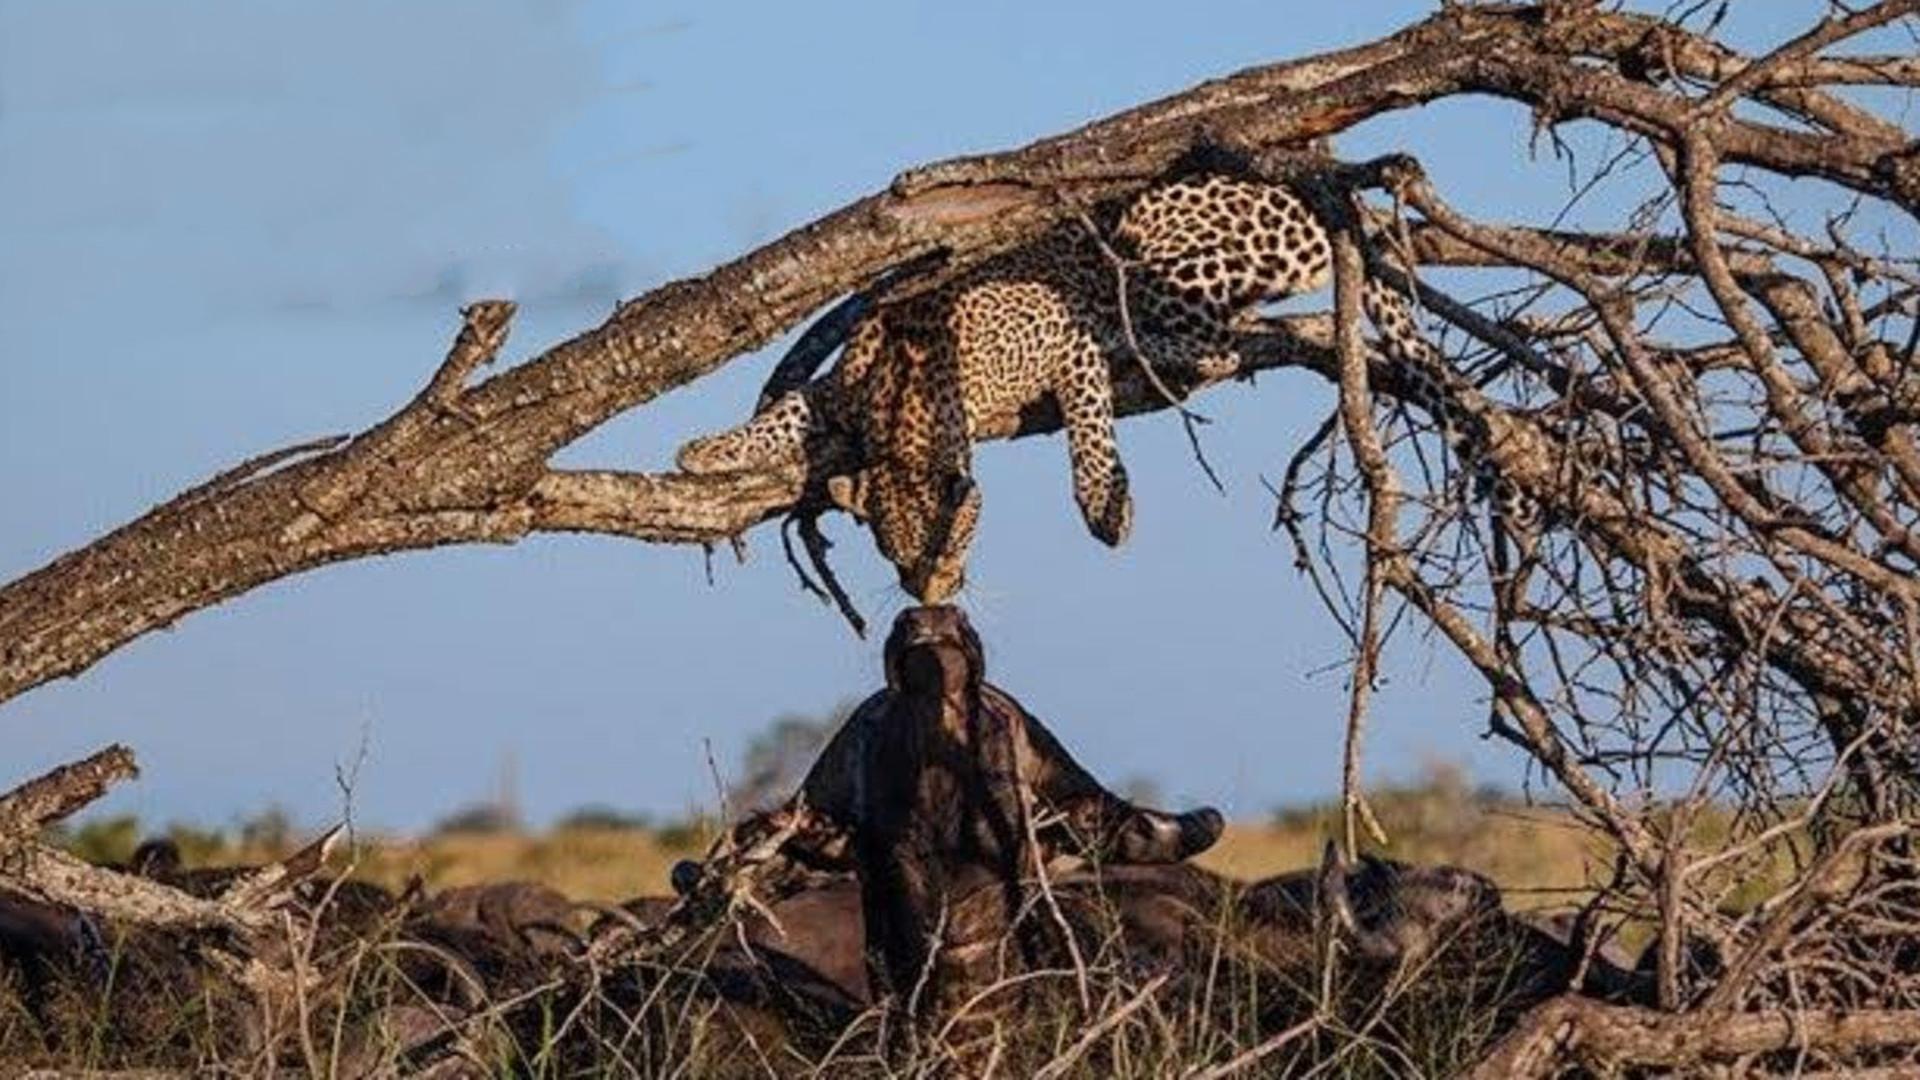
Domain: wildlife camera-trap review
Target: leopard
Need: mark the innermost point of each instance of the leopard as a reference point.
(1048, 324)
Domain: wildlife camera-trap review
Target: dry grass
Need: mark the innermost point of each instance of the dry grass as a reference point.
(586, 864)
(662, 1025)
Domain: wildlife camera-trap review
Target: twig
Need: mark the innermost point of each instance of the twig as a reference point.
(1249, 1058)
(1787, 907)
(1383, 494)
(1059, 1065)
(483, 330)
(1039, 869)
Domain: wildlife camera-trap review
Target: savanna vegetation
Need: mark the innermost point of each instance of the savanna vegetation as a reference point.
(1647, 466)
(1538, 854)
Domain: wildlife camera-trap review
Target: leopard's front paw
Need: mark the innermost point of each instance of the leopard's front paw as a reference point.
(1109, 513)
(722, 453)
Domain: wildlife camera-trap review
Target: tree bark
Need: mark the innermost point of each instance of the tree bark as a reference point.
(1612, 1037)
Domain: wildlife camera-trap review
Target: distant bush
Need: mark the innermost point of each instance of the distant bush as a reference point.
(269, 830)
(101, 840)
(480, 818)
(1441, 808)
(687, 834)
(599, 816)
(777, 759)
(198, 847)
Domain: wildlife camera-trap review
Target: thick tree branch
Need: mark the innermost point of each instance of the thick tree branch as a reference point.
(31, 868)
(1609, 1037)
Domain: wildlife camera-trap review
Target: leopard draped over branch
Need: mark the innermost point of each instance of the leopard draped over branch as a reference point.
(922, 377)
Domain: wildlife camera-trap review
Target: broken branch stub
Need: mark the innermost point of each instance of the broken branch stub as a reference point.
(29, 809)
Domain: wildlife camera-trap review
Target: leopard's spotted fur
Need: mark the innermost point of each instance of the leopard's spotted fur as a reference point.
(922, 378)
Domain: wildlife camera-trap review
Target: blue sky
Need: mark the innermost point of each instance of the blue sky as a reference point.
(230, 226)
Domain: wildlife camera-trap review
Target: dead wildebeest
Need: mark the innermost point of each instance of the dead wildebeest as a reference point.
(121, 991)
(935, 792)
(532, 918)
(478, 943)
(1383, 912)
(451, 954)
(446, 956)
(1074, 814)
(803, 954)
(1389, 919)
(1076, 819)
(1443, 923)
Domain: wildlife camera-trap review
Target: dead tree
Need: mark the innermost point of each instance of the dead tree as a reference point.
(1664, 500)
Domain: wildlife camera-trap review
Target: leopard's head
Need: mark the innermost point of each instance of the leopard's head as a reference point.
(925, 530)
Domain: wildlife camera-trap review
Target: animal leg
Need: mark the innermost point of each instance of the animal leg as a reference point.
(776, 436)
(1085, 394)
(1391, 313)
(973, 943)
(1105, 826)
(900, 903)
